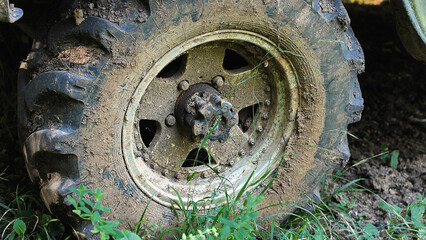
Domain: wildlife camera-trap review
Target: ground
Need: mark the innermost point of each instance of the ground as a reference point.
(394, 91)
(393, 86)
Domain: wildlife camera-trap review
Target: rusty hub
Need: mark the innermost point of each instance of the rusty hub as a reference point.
(202, 110)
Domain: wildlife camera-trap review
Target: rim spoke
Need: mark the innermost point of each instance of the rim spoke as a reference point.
(159, 100)
(171, 149)
(204, 62)
(229, 150)
(248, 90)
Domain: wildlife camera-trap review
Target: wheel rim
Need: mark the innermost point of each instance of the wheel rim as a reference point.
(250, 73)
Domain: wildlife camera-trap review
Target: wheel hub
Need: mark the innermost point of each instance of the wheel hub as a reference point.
(203, 111)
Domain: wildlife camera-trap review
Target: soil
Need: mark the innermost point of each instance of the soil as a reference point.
(394, 91)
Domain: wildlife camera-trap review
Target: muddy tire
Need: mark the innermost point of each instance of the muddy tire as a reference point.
(105, 100)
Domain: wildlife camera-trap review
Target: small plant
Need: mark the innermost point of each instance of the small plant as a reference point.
(21, 221)
(391, 158)
(91, 211)
(406, 224)
(235, 219)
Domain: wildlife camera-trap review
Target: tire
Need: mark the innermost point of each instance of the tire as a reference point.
(102, 101)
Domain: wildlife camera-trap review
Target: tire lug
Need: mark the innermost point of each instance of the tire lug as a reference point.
(183, 85)
(259, 128)
(218, 81)
(170, 120)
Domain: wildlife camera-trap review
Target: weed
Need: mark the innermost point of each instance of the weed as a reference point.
(91, 211)
(391, 158)
(237, 219)
(21, 221)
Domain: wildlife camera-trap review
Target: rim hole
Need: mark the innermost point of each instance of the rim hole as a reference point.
(148, 129)
(234, 61)
(247, 116)
(203, 158)
(176, 67)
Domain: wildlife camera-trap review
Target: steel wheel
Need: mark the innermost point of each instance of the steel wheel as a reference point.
(236, 76)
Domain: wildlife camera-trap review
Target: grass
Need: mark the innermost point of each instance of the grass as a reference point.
(238, 218)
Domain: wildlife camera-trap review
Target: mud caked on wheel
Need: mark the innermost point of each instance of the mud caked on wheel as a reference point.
(137, 97)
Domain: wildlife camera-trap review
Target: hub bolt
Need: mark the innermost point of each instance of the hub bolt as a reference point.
(218, 81)
(183, 85)
(170, 120)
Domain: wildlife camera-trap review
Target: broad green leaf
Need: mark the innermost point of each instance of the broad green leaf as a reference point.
(394, 159)
(370, 231)
(19, 226)
(129, 235)
(72, 201)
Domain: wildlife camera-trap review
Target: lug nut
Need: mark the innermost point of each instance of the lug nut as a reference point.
(205, 174)
(242, 153)
(231, 162)
(265, 76)
(268, 89)
(265, 116)
(145, 157)
(251, 141)
(170, 120)
(267, 102)
(177, 176)
(259, 129)
(165, 172)
(138, 154)
(183, 85)
(218, 81)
